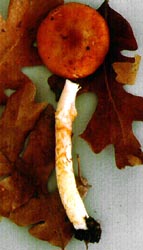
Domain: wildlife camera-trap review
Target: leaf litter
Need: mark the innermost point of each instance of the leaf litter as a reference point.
(17, 37)
(25, 168)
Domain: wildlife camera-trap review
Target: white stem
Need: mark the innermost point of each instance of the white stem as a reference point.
(65, 115)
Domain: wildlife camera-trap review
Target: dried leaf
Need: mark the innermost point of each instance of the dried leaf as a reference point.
(28, 174)
(127, 71)
(18, 119)
(17, 36)
(32, 212)
(24, 197)
(116, 110)
(26, 186)
(38, 159)
(49, 217)
(5, 166)
(15, 190)
(112, 121)
(56, 229)
(121, 34)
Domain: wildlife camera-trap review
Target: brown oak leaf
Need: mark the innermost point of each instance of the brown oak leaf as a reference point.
(38, 159)
(56, 229)
(112, 121)
(15, 191)
(116, 110)
(5, 165)
(18, 118)
(29, 173)
(48, 218)
(24, 197)
(17, 37)
(27, 170)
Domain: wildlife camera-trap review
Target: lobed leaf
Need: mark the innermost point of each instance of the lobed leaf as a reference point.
(18, 118)
(5, 165)
(24, 197)
(116, 110)
(28, 174)
(17, 36)
(15, 190)
(56, 229)
(38, 159)
(48, 219)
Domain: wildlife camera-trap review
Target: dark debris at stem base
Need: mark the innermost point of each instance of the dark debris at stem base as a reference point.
(92, 234)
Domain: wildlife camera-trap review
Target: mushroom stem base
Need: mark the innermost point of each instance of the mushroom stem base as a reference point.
(92, 234)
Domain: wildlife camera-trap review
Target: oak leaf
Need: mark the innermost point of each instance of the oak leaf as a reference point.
(18, 118)
(15, 191)
(17, 37)
(56, 229)
(27, 170)
(5, 165)
(47, 218)
(116, 110)
(24, 197)
(28, 174)
(38, 159)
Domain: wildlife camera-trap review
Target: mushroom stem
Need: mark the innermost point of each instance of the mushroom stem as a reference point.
(70, 197)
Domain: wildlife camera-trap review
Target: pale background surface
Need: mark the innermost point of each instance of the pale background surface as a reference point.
(116, 197)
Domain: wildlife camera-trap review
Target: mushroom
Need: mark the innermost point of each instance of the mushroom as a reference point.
(73, 41)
